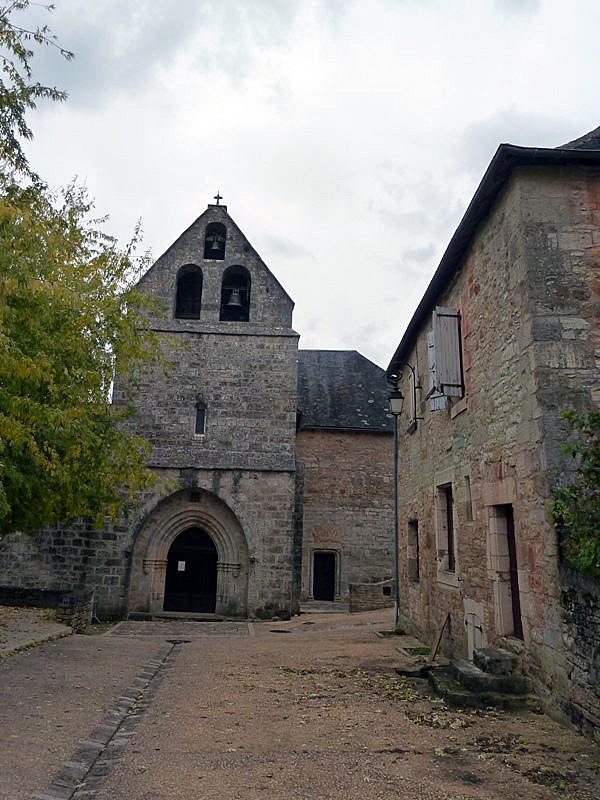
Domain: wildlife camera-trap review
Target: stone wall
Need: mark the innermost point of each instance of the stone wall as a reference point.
(580, 696)
(371, 596)
(270, 306)
(347, 504)
(73, 607)
(248, 385)
(101, 559)
(527, 295)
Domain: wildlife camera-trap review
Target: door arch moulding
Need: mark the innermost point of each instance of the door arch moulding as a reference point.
(175, 514)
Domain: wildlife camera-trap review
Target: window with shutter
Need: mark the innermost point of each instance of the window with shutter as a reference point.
(447, 350)
(437, 400)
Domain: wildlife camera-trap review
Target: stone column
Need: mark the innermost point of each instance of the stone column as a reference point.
(156, 570)
(229, 589)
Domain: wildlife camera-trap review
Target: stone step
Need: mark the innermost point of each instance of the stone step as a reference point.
(475, 679)
(495, 660)
(454, 693)
(184, 616)
(323, 607)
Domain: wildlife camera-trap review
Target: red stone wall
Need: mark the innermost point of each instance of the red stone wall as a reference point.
(528, 295)
(347, 505)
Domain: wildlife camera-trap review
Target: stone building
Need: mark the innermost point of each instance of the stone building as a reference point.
(505, 338)
(344, 457)
(222, 529)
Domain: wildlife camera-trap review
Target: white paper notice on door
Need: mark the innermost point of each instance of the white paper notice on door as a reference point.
(181, 566)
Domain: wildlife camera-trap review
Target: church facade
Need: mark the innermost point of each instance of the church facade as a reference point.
(225, 528)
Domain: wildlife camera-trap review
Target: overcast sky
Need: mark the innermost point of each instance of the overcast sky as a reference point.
(346, 136)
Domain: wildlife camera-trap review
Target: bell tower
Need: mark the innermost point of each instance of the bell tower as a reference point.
(221, 417)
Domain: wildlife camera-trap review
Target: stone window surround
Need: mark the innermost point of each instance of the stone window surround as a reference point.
(413, 550)
(199, 435)
(445, 577)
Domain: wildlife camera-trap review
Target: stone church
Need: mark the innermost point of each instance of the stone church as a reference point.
(273, 465)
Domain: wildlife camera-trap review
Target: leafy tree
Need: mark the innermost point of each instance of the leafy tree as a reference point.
(69, 317)
(18, 91)
(576, 507)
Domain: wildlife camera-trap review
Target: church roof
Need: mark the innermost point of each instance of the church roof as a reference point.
(341, 390)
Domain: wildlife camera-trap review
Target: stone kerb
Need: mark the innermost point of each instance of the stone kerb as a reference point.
(174, 515)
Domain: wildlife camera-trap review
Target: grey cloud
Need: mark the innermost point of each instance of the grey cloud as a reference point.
(519, 6)
(480, 140)
(120, 46)
(279, 246)
(413, 199)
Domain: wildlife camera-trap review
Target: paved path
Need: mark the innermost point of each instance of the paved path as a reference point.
(270, 710)
(22, 628)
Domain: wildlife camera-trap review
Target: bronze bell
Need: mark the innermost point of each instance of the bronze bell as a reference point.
(235, 301)
(215, 245)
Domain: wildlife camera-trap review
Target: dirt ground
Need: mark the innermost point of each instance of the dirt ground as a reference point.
(319, 712)
(310, 708)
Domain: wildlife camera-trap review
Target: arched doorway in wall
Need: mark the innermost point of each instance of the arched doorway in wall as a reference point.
(196, 527)
(191, 576)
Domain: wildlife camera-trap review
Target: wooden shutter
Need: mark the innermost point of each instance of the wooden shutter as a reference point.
(437, 400)
(446, 343)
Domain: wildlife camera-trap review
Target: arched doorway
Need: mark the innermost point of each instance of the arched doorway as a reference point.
(196, 527)
(191, 579)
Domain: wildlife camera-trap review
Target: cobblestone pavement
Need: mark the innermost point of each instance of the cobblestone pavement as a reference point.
(316, 713)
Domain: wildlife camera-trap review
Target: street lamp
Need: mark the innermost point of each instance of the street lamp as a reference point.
(396, 403)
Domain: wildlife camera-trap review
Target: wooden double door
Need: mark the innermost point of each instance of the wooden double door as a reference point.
(191, 581)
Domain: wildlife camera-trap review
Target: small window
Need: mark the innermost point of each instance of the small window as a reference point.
(413, 550)
(445, 528)
(200, 426)
(235, 295)
(215, 239)
(189, 292)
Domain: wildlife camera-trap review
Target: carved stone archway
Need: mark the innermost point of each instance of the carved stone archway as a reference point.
(172, 516)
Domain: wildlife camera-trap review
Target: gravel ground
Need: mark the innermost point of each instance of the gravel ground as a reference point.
(310, 708)
(319, 713)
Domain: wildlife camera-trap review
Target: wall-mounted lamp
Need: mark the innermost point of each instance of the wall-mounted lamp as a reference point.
(396, 402)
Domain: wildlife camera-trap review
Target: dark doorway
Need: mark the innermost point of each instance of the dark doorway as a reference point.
(514, 574)
(191, 583)
(324, 576)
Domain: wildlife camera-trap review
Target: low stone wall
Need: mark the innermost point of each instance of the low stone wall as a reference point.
(371, 596)
(73, 607)
(580, 598)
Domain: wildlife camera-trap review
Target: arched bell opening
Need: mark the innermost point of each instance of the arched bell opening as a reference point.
(235, 295)
(215, 239)
(188, 299)
(191, 575)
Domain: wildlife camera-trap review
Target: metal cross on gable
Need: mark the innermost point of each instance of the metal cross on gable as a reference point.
(217, 197)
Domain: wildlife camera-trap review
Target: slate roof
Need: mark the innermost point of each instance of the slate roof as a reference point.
(589, 141)
(342, 390)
